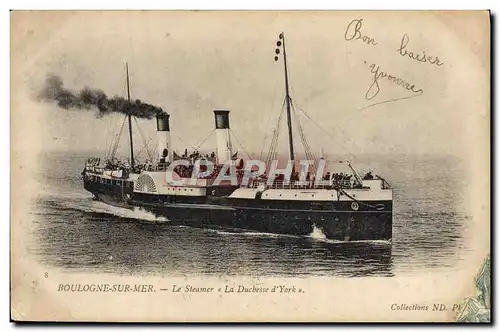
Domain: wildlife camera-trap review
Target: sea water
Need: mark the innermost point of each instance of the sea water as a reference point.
(76, 233)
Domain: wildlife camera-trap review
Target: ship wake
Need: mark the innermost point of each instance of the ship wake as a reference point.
(84, 204)
(136, 213)
(317, 234)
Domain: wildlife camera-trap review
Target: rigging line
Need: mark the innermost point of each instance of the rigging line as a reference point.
(117, 143)
(185, 142)
(114, 144)
(328, 133)
(307, 148)
(277, 130)
(274, 140)
(274, 132)
(297, 122)
(311, 155)
(241, 145)
(274, 152)
(270, 153)
(199, 145)
(305, 144)
(115, 134)
(141, 134)
(112, 138)
(145, 147)
(315, 123)
(310, 119)
(269, 118)
(336, 125)
(303, 136)
(272, 148)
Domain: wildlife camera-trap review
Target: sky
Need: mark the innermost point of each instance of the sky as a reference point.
(190, 63)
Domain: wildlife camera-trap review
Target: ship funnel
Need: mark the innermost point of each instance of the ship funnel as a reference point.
(222, 133)
(163, 134)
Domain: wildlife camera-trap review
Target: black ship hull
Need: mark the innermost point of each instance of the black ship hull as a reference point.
(334, 220)
(336, 225)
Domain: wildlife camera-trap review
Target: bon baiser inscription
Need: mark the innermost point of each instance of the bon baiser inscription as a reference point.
(354, 32)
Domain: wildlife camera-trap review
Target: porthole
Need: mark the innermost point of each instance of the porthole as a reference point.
(355, 206)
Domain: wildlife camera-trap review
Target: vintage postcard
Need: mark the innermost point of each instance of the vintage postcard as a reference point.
(250, 166)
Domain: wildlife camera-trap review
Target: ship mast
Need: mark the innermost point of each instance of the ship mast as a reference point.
(130, 123)
(287, 96)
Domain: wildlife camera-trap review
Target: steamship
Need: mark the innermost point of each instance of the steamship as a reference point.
(344, 207)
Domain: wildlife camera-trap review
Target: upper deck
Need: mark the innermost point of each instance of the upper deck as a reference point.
(374, 184)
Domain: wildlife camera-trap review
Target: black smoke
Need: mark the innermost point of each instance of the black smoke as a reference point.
(89, 98)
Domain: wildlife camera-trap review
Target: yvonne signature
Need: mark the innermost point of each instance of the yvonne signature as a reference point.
(374, 87)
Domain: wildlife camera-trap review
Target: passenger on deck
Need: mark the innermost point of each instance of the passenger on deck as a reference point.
(368, 176)
(351, 181)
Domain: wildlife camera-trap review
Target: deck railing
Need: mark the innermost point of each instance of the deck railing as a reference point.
(300, 185)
